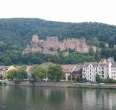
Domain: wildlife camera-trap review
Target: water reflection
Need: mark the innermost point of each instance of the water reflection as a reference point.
(35, 98)
(99, 99)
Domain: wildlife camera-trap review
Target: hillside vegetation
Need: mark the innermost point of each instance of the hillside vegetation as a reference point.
(17, 32)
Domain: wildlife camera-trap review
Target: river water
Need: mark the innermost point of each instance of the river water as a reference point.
(43, 98)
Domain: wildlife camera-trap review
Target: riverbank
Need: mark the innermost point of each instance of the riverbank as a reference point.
(62, 84)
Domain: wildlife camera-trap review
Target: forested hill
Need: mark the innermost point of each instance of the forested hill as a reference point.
(16, 33)
(21, 30)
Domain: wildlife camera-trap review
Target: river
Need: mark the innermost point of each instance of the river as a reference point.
(43, 98)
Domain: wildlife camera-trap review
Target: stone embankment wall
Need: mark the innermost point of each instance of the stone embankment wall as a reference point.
(62, 84)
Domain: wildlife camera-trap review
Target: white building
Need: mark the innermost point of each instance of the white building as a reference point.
(104, 70)
(90, 71)
(112, 69)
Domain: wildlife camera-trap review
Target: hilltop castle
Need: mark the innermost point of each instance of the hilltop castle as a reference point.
(52, 44)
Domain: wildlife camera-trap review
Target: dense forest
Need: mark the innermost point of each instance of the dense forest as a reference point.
(15, 33)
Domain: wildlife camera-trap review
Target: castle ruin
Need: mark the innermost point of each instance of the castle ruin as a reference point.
(52, 44)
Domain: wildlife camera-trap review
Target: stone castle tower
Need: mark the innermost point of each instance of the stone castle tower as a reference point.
(35, 39)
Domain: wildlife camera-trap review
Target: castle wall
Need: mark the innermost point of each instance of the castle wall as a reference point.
(53, 44)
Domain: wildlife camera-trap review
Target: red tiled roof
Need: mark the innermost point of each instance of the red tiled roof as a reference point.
(68, 68)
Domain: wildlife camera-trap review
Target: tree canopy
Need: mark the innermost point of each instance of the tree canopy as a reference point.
(50, 71)
(17, 74)
(15, 33)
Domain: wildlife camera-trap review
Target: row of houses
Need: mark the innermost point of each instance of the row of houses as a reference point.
(87, 71)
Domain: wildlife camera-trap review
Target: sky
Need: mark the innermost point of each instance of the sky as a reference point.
(61, 10)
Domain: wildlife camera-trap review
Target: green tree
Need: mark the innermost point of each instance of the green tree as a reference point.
(39, 72)
(17, 74)
(98, 78)
(54, 72)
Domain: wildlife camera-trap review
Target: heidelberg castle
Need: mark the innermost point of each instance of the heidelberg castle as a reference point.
(52, 44)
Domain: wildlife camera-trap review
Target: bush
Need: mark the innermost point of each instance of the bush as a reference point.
(17, 74)
(54, 72)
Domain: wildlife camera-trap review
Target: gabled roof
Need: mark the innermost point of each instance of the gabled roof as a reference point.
(79, 67)
(68, 68)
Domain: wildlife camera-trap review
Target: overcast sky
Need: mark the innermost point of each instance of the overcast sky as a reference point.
(61, 10)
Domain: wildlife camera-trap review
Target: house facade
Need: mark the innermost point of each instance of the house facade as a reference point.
(3, 70)
(71, 72)
(91, 70)
(104, 70)
(112, 69)
(113, 72)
